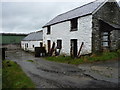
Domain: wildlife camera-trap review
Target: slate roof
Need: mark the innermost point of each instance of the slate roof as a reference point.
(77, 12)
(35, 36)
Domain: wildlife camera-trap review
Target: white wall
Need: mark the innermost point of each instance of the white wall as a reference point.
(30, 45)
(62, 31)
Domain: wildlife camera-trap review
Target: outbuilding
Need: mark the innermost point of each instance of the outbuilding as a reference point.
(31, 41)
(95, 27)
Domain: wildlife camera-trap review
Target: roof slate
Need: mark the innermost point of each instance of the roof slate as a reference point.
(77, 12)
(36, 36)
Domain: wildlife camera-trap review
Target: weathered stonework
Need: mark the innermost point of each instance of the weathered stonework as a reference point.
(110, 13)
(96, 37)
(115, 40)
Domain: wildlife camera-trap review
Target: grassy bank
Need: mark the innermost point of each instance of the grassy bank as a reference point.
(0, 78)
(14, 77)
(85, 59)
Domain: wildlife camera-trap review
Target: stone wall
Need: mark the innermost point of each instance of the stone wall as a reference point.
(109, 12)
(115, 40)
(96, 37)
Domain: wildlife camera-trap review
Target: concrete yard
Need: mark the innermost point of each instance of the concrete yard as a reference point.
(46, 74)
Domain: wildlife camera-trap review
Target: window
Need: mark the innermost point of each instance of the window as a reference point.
(105, 44)
(74, 24)
(48, 30)
(41, 44)
(33, 46)
(59, 44)
(105, 39)
(27, 45)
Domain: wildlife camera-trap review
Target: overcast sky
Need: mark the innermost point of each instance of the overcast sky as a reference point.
(26, 17)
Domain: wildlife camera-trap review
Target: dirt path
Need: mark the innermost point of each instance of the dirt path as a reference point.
(106, 70)
(48, 74)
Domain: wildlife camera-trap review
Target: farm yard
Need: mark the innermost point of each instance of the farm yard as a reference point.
(47, 74)
(76, 49)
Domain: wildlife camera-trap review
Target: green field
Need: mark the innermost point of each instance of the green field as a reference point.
(14, 77)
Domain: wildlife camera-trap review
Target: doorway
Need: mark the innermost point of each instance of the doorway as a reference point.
(73, 50)
(41, 44)
(49, 45)
(105, 31)
(26, 46)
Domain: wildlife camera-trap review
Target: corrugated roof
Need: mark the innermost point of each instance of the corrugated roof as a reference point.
(77, 12)
(35, 36)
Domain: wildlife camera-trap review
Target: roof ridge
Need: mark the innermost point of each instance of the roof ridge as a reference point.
(91, 7)
(100, 4)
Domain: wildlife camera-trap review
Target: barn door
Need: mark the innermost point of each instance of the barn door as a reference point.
(25, 46)
(73, 50)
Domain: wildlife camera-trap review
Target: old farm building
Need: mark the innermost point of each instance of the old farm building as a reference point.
(96, 24)
(31, 41)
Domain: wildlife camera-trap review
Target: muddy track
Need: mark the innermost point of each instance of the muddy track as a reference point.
(46, 74)
(68, 73)
(45, 83)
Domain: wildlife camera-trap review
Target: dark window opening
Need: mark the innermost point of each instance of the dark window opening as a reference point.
(74, 24)
(41, 44)
(33, 46)
(59, 44)
(48, 30)
(27, 45)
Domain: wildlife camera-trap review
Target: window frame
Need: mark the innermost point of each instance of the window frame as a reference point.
(41, 44)
(105, 34)
(74, 24)
(59, 44)
(27, 45)
(33, 46)
(48, 30)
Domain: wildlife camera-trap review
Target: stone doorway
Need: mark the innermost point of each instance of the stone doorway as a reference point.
(73, 50)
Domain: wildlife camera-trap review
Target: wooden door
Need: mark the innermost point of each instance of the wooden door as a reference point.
(49, 45)
(73, 47)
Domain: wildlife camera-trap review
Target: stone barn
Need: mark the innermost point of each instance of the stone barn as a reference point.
(95, 27)
(33, 40)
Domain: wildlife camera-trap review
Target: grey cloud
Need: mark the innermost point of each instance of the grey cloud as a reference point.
(30, 16)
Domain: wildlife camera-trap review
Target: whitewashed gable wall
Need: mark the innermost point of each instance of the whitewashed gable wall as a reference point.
(30, 45)
(62, 31)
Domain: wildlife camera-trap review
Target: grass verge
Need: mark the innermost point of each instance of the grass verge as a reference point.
(14, 77)
(30, 61)
(0, 78)
(85, 59)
